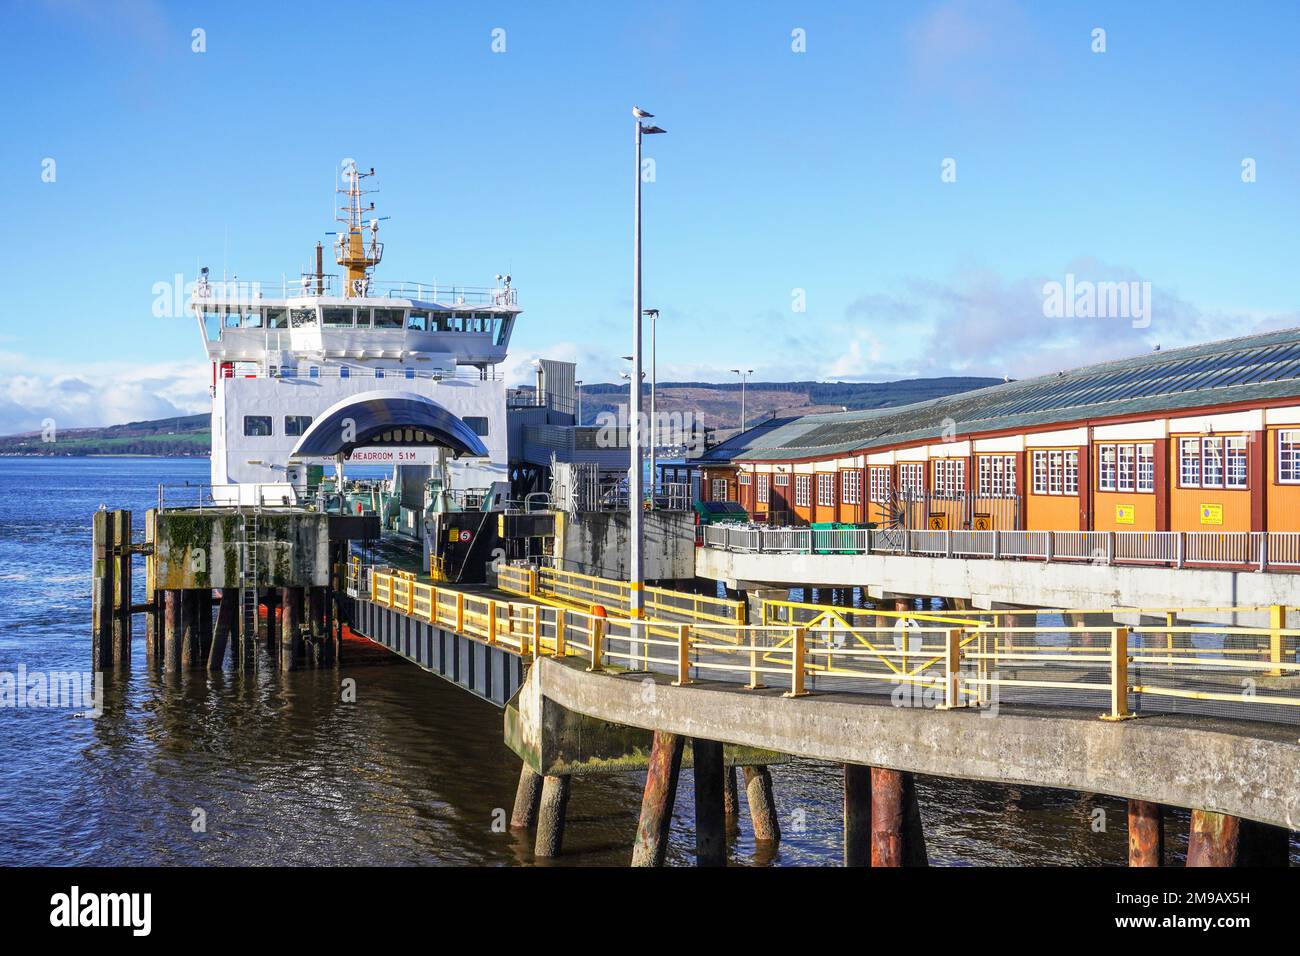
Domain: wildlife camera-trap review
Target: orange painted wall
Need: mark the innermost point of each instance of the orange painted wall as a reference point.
(1283, 500)
(1052, 512)
(1103, 512)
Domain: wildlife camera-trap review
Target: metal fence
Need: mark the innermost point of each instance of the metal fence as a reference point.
(1262, 550)
(916, 659)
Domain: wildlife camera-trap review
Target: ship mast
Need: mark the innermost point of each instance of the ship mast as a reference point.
(353, 254)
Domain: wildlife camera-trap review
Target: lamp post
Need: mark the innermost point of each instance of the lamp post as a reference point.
(636, 583)
(744, 377)
(654, 420)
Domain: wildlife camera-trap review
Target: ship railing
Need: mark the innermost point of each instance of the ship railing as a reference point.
(1259, 550)
(232, 495)
(444, 294)
(462, 373)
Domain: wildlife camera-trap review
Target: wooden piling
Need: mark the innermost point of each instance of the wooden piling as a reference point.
(203, 607)
(857, 815)
(191, 640)
(658, 799)
(762, 805)
(227, 621)
(1219, 839)
(102, 591)
(710, 819)
(528, 797)
(1146, 834)
(897, 838)
(173, 629)
(551, 816)
(290, 639)
(731, 797)
(121, 563)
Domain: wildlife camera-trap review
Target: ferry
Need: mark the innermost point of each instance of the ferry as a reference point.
(341, 369)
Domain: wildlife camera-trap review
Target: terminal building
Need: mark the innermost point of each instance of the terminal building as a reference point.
(1205, 438)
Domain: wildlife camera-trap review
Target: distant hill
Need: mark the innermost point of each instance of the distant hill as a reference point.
(186, 436)
(715, 405)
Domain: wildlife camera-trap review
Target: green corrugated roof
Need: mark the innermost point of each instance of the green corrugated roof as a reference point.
(1256, 367)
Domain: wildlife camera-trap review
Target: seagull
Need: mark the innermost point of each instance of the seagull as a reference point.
(640, 113)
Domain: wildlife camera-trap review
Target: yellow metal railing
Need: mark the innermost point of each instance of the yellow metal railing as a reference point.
(946, 660)
(585, 590)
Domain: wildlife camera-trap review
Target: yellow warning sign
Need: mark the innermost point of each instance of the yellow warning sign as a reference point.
(982, 523)
(938, 521)
(1211, 514)
(1124, 514)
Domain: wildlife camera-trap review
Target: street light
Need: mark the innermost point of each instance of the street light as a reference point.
(636, 585)
(744, 377)
(654, 421)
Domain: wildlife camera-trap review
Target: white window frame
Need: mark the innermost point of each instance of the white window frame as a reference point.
(1107, 468)
(803, 491)
(760, 488)
(1288, 456)
(850, 487)
(1186, 478)
(781, 480)
(719, 492)
(1040, 473)
(879, 481)
(1146, 468)
(826, 489)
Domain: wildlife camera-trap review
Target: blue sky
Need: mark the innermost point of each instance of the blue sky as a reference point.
(781, 171)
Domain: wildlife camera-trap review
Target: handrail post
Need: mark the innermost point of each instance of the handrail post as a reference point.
(460, 612)
(561, 617)
(947, 538)
(1171, 621)
(492, 621)
(1110, 547)
(433, 605)
(1049, 552)
(1263, 550)
(1181, 558)
(1118, 675)
(683, 656)
(798, 648)
(997, 544)
(951, 669)
(1276, 624)
(597, 644)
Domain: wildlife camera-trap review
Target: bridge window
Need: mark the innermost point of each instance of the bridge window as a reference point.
(302, 318)
(296, 425)
(1288, 456)
(503, 329)
(388, 318)
(277, 318)
(337, 318)
(477, 424)
(257, 426)
(417, 321)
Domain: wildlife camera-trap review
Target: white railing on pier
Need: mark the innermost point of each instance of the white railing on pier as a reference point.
(1257, 549)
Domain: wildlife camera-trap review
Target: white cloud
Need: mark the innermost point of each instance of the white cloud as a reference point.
(33, 390)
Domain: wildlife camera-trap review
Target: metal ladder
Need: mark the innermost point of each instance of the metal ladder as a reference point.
(248, 572)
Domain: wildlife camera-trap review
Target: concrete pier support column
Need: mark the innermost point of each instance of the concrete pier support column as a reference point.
(1146, 834)
(710, 819)
(528, 796)
(658, 799)
(173, 628)
(316, 624)
(762, 806)
(857, 815)
(227, 621)
(550, 816)
(896, 835)
(203, 609)
(1218, 839)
